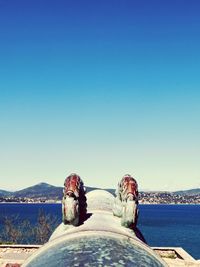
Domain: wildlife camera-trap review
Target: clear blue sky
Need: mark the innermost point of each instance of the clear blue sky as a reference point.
(101, 88)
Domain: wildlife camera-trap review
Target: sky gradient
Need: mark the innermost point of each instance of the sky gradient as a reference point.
(101, 88)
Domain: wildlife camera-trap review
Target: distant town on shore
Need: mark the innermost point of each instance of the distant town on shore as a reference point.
(46, 193)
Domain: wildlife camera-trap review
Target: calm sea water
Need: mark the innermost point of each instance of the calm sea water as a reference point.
(161, 225)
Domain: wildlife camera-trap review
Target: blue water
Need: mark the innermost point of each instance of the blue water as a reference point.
(171, 225)
(161, 225)
(29, 211)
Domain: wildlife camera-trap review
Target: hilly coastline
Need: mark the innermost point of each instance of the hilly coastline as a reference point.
(44, 192)
(41, 190)
(190, 192)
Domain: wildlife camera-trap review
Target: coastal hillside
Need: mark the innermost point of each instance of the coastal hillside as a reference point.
(41, 190)
(190, 192)
(44, 192)
(4, 193)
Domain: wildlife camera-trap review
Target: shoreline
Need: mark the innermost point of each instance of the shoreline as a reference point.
(164, 204)
(30, 203)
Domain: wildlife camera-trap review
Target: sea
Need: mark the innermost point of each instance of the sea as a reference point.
(161, 225)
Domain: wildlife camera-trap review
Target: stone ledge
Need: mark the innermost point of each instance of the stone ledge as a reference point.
(15, 255)
(176, 256)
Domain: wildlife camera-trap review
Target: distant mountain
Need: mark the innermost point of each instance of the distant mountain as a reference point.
(4, 193)
(190, 192)
(112, 191)
(39, 191)
(44, 190)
